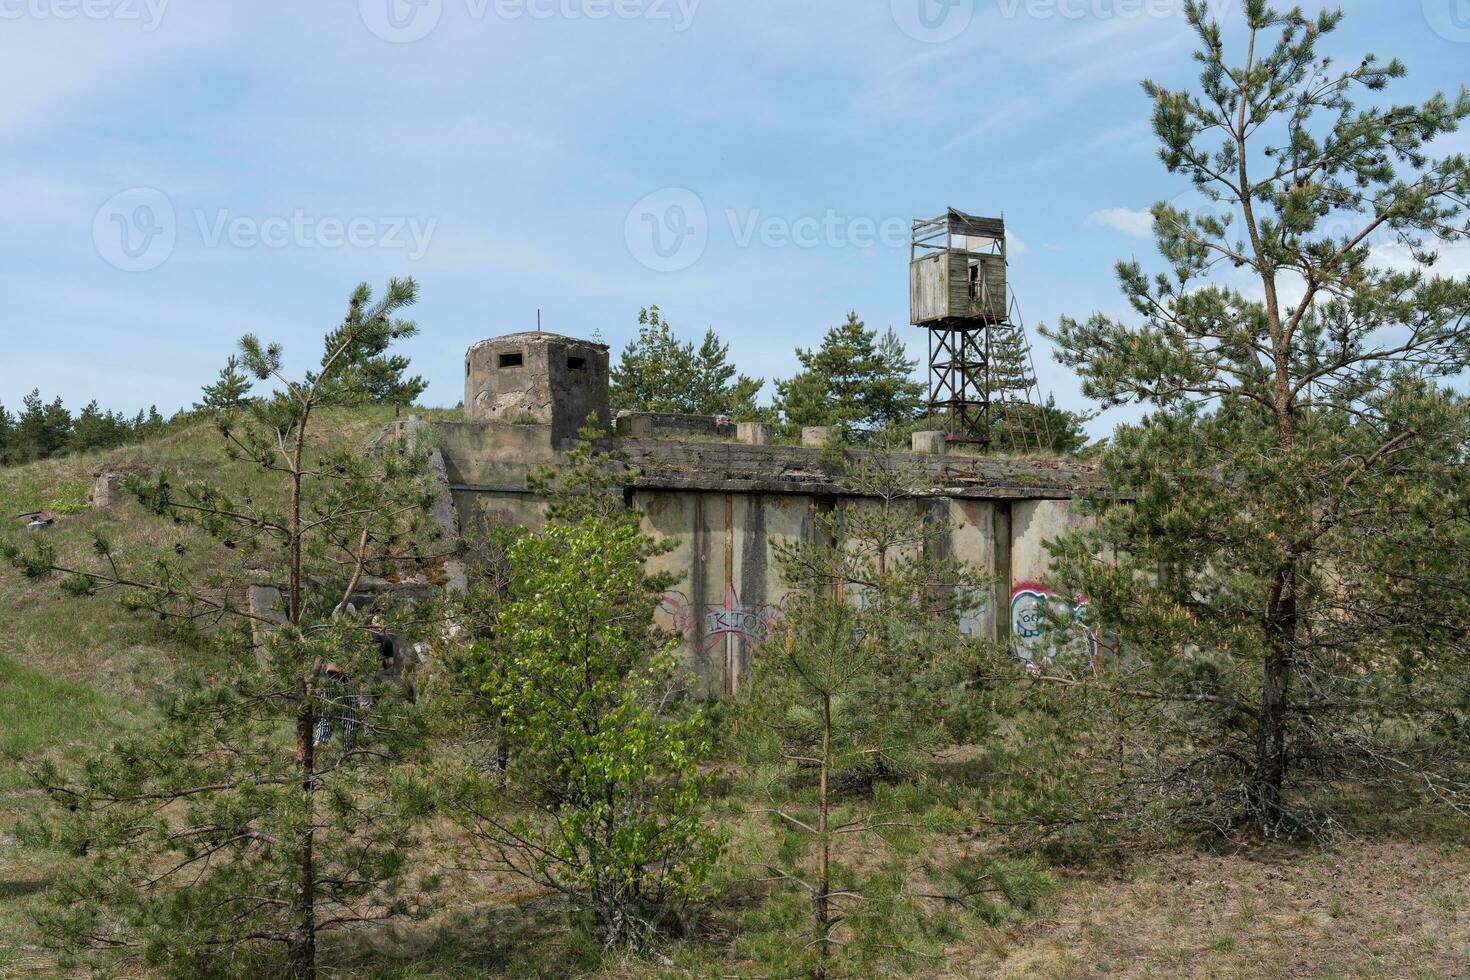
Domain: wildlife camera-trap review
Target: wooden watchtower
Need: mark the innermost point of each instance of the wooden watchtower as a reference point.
(958, 292)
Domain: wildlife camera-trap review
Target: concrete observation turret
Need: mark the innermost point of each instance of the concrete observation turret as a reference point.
(540, 378)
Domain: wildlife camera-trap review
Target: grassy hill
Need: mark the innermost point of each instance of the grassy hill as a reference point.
(74, 671)
(1386, 902)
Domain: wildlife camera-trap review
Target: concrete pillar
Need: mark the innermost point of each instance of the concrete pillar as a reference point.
(107, 490)
(816, 435)
(634, 426)
(753, 433)
(933, 443)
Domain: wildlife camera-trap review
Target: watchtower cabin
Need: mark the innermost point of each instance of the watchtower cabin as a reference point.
(981, 376)
(957, 268)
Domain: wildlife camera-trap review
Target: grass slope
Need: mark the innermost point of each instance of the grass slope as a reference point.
(73, 672)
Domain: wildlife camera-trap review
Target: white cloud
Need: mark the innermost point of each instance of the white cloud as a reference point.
(1139, 224)
(1453, 262)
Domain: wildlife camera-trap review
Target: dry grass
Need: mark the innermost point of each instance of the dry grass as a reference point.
(72, 671)
(1385, 908)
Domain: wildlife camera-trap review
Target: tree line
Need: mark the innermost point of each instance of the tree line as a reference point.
(41, 429)
(857, 380)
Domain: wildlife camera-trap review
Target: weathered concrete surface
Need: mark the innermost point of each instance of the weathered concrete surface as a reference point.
(817, 435)
(724, 507)
(265, 605)
(800, 469)
(933, 443)
(665, 425)
(107, 489)
(753, 433)
(537, 378)
(442, 509)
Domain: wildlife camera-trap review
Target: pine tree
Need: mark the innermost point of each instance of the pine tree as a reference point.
(856, 380)
(42, 429)
(859, 684)
(657, 372)
(362, 369)
(239, 821)
(228, 392)
(96, 429)
(1290, 536)
(1015, 423)
(7, 436)
(1024, 427)
(717, 388)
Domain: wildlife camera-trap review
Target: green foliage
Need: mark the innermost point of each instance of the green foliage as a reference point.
(229, 392)
(588, 484)
(878, 591)
(69, 498)
(7, 435)
(95, 429)
(1021, 428)
(43, 430)
(237, 823)
(660, 373)
(356, 363)
(599, 795)
(185, 837)
(856, 380)
(1291, 530)
(992, 890)
(860, 683)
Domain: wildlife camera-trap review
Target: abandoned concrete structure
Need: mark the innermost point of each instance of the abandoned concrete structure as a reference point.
(536, 379)
(723, 494)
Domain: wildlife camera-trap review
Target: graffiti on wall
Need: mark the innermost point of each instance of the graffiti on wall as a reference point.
(1045, 626)
(717, 621)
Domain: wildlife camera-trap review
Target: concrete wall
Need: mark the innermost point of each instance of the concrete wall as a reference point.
(728, 592)
(725, 504)
(724, 526)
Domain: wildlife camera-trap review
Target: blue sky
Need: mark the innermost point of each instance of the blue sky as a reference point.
(181, 172)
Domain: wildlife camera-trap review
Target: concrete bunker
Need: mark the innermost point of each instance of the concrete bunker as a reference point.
(723, 494)
(537, 379)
